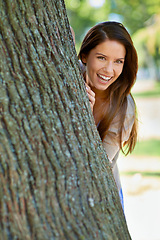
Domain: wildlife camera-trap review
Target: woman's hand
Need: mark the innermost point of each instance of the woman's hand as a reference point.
(91, 96)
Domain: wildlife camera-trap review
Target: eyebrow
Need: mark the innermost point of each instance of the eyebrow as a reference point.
(106, 56)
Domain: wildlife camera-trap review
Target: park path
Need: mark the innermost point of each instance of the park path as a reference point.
(142, 193)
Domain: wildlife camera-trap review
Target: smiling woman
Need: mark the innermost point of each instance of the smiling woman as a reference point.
(110, 65)
(104, 64)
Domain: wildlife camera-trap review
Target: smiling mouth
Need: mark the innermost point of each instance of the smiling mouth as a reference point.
(104, 78)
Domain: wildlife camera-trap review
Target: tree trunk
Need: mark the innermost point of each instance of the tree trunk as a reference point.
(56, 181)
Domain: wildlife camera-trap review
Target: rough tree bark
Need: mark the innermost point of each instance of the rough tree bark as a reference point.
(55, 178)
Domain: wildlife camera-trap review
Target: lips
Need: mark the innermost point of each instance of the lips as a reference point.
(104, 78)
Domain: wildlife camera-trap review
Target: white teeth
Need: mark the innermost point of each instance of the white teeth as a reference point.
(104, 78)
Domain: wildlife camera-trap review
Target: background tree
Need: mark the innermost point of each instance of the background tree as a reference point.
(55, 178)
(148, 45)
(82, 16)
(136, 13)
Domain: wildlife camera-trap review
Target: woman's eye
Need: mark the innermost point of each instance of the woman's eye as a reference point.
(119, 61)
(101, 57)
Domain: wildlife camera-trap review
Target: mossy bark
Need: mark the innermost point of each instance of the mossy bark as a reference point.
(55, 178)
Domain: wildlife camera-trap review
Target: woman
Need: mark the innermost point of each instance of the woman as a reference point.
(110, 64)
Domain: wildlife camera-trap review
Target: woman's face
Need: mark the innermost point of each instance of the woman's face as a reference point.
(104, 64)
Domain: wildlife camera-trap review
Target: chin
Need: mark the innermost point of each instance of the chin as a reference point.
(101, 88)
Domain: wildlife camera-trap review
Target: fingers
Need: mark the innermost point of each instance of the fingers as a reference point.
(91, 96)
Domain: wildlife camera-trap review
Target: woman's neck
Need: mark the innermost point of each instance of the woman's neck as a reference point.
(99, 94)
(100, 108)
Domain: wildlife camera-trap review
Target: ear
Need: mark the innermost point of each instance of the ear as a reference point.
(84, 59)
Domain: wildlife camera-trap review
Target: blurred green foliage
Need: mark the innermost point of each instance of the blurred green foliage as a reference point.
(82, 16)
(140, 17)
(136, 13)
(147, 42)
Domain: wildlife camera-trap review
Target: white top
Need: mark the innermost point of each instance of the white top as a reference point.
(111, 140)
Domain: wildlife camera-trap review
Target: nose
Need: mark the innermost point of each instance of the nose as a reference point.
(108, 67)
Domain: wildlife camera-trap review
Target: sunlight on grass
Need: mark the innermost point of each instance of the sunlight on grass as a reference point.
(150, 93)
(149, 147)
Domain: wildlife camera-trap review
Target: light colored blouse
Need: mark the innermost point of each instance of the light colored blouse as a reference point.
(111, 140)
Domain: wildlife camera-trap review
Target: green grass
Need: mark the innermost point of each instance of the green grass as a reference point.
(151, 93)
(149, 147)
(145, 174)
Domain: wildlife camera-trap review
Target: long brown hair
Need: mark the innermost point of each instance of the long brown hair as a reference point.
(118, 91)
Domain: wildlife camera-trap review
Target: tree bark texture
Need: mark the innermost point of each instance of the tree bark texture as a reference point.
(55, 178)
